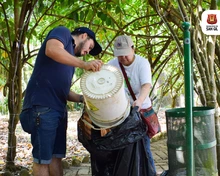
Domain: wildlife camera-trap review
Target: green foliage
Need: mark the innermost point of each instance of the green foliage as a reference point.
(108, 19)
(78, 72)
(155, 27)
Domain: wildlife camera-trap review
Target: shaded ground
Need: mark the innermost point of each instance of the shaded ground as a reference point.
(24, 148)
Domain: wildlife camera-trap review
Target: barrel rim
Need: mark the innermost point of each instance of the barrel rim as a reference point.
(197, 111)
(92, 95)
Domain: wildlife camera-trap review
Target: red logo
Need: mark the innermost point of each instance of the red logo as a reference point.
(212, 19)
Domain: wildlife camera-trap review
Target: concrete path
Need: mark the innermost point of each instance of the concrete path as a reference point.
(158, 148)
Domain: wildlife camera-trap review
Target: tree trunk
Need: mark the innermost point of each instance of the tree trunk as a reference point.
(203, 53)
(14, 106)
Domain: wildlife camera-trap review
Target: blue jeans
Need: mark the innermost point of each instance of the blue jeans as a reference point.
(48, 132)
(147, 142)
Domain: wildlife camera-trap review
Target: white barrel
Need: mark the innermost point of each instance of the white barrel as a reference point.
(107, 104)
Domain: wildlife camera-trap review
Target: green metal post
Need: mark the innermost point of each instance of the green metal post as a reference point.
(190, 167)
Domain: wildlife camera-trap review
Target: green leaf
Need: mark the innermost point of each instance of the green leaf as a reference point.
(102, 16)
(108, 21)
(82, 15)
(89, 15)
(99, 14)
(117, 10)
(75, 17)
(108, 6)
(41, 6)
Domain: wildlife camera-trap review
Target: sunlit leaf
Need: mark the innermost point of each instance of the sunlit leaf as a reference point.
(4, 54)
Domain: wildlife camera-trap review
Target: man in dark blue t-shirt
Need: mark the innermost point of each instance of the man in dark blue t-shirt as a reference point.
(44, 113)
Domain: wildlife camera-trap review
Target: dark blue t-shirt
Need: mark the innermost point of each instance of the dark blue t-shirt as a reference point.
(50, 81)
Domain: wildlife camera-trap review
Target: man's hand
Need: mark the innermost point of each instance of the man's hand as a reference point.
(138, 103)
(94, 65)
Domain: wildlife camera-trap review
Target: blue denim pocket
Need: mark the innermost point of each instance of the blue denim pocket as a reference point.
(45, 117)
(26, 120)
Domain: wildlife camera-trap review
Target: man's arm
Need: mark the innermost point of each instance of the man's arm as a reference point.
(74, 97)
(145, 91)
(55, 50)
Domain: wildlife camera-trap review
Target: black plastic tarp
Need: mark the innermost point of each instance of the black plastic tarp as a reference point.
(121, 152)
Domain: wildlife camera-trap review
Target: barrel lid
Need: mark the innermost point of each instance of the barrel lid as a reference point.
(102, 84)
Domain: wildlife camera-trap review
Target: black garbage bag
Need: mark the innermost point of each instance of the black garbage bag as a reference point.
(122, 151)
(133, 161)
(132, 130)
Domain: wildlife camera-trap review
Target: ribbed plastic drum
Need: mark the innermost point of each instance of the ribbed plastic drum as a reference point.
(204, 141)
(106, 101)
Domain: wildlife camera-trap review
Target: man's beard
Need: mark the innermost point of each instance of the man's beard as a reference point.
(79, 49)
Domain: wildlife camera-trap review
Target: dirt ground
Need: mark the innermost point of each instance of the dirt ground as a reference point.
(24, 148)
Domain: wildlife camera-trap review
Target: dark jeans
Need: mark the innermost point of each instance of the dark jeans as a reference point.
(147, 143)
(48, 132)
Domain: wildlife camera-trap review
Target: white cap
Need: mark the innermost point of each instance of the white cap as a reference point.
(123, 45)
